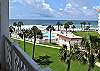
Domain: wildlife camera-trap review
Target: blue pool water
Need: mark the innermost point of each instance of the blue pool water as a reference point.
(47, 35)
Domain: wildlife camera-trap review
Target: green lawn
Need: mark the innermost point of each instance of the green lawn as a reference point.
(83, 34)
(57, 65)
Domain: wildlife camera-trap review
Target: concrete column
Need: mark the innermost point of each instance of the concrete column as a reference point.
(4, 30)
(98, 10)
(4, 17)
(99, 23)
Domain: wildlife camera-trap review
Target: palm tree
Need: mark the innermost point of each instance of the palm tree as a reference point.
(11, 30)
(87, 28)
(37, 34)
(15, 24)
(91, 45)
(59, 24)
(30, 34)
(50, 28)
(66, 26)
(20, 23)
(87, 46)
(81, 25)
(73, 27)
(25, 34)
(69, 56)
(84, 23)
(88, 54)
(89, 24)
(68, 53)
(70, 22)
(63, 53)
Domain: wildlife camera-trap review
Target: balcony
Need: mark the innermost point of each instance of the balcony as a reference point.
(12, 57)
(15, 59)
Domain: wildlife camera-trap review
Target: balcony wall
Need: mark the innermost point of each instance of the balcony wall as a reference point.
(4, 20)
(99, 23)
(4, 17)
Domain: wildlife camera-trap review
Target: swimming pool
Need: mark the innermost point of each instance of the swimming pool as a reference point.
(46, 35)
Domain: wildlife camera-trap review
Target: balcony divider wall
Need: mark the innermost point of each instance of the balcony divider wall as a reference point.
(4, 20)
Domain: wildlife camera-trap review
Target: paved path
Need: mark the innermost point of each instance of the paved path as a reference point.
(38, 44)
(97, 63)
(49, 46)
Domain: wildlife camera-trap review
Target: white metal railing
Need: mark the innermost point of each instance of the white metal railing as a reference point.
(16, 59)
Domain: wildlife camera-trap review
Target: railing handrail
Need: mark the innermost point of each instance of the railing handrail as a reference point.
(26, 59)
(23, 56)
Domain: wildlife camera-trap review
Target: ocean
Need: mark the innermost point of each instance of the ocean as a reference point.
(52, 22)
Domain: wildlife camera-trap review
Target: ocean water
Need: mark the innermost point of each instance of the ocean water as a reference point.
(52, 22)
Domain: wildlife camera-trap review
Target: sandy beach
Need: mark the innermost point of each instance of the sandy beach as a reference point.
(43, 27)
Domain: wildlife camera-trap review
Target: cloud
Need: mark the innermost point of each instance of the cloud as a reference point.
(39, 6)
(46, 6)
(60, 9)
(74, 9)
(84, 7)
(68, 5)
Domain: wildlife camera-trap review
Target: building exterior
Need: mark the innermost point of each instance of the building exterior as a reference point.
(98, 10)
(67, 39)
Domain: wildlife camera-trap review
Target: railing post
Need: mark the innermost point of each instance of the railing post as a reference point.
(12, 59)
(3, 60)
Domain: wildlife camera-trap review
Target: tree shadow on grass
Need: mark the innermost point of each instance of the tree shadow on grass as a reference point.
(43, 60)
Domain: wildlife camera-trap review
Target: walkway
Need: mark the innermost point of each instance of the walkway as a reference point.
(38, 44)
(97, 64)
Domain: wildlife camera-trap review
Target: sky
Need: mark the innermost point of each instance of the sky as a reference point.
(54, 9)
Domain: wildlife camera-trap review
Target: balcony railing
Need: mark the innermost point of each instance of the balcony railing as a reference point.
(15, 59)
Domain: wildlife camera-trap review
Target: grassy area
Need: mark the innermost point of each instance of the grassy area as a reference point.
(57, 65)
(84, 34)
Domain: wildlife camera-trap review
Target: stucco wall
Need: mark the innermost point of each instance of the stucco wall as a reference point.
(99, 23)
(4, 20)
